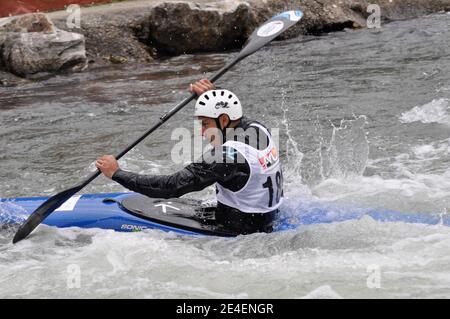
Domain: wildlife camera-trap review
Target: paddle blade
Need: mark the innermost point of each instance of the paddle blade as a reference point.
(270, 30)
(42, 212)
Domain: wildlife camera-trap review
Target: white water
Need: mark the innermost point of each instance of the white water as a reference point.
(335, 260)
(437, 111)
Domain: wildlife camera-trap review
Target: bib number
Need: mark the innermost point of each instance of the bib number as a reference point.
(277, 190)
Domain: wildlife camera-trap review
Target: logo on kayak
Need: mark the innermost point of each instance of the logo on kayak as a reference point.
(222, 105)
(270, 29)
(165, 206)
(132, 228)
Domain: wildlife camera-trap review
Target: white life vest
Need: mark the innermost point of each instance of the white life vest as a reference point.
(264, 188)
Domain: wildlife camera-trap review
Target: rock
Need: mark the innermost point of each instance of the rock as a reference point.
(25, 54)
(35, 22)
(176, 28)
(113, 35)
(31, 45)
(406, 9)
(325, 16)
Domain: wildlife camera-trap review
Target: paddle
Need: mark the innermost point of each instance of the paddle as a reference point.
(260, 37)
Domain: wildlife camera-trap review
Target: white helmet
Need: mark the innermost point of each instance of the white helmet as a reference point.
(214, 103)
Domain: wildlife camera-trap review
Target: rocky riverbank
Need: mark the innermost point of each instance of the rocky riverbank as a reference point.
(140, 31)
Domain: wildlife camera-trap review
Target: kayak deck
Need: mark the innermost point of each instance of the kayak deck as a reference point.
(120, 212)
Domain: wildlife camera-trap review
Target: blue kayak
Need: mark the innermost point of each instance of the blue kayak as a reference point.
(130, 212)
(127, 212)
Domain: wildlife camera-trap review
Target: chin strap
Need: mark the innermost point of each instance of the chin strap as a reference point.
(223, 130)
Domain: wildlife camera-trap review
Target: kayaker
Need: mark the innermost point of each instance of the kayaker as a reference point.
(248, 177)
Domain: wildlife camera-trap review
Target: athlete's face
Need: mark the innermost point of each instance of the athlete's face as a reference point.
(209, 130)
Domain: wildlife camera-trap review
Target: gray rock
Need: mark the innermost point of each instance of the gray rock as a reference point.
(39, 48)
(28, 53)
(176, 28)
(113, 37)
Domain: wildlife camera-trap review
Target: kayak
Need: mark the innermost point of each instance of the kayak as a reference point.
(131, 212)
(128, 212)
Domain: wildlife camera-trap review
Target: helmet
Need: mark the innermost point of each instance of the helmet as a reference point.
(214, 103)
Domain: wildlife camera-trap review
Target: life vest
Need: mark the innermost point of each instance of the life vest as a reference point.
(264, 189)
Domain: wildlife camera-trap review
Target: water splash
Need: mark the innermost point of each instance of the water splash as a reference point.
(12, 214)
(292, 168)
(293, 154)
(348, 151)
(344, 155)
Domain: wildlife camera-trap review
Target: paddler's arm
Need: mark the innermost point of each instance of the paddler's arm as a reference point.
(193, 177)
(190, 179)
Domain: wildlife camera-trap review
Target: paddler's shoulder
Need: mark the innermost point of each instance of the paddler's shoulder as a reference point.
(246, 123)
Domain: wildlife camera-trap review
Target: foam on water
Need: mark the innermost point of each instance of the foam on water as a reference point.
(437, 111)
(423, 193)
(436, 150)
(319, 261)
(417, 181)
